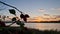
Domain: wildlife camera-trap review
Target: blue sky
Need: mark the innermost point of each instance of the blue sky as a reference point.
(33, 7)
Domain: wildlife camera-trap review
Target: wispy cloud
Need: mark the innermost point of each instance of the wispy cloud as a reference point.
(57, 16)
(46, 15)
(41, 10)
(57, 9)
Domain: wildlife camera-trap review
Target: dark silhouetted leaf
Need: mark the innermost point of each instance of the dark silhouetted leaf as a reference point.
(12, 11)
(26, 15)
(22, 15)
(13, 19)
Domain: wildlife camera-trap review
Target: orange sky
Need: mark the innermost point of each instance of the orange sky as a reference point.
(44, 18)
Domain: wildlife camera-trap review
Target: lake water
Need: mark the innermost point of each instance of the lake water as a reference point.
(40, 26)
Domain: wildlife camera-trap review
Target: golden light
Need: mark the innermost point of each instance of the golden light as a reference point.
(35, 19)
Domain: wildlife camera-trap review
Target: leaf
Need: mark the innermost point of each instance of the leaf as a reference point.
(12, 11)
(26, 15)
(22, 15)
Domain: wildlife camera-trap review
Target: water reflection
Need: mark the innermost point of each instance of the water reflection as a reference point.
(40, 26)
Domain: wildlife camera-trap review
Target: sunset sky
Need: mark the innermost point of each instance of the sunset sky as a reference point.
(40, 10)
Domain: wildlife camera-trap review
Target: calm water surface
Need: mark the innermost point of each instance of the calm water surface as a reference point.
(40, 26)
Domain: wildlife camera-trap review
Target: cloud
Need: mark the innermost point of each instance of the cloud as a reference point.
(50, 16)
(57, 16)
(58, 9)
(41, 10)
(46, 15)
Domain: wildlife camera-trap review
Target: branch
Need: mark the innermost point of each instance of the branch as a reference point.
(10, 6)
